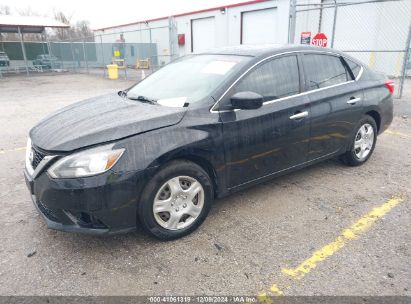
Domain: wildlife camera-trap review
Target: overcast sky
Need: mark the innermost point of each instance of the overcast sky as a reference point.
(107, 13)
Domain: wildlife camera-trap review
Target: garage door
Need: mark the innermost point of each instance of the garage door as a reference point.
(202, 34)
(259, 26)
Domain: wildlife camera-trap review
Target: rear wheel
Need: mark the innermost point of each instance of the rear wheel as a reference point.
(176, 200)
(363, 143)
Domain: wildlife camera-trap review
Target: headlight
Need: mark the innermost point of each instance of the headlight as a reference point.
(86, 163)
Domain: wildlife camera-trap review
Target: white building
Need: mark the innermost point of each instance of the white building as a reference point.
(366, 29)
(258, 21)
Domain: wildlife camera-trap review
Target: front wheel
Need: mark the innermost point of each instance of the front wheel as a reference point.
(363, 143)
(176, 200)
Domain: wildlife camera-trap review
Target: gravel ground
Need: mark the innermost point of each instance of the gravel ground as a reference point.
(242, 246)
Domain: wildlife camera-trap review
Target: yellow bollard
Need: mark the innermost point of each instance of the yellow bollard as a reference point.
(112, 71)
(372, 60)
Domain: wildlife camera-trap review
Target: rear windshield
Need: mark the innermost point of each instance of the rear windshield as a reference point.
(188, 79)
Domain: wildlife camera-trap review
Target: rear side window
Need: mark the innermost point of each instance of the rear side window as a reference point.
(274, 79)
(355, 68)
(324, 70)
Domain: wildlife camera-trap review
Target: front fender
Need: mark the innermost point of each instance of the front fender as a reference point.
(198, 138)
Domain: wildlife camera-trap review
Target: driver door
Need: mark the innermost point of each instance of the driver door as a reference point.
(274, 137)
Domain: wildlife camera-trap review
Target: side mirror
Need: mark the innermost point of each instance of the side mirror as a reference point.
(247, 101)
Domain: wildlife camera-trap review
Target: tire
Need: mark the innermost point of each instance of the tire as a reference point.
(354, 157)
(173, 189)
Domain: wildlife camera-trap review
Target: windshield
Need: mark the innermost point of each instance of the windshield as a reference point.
(188, 79)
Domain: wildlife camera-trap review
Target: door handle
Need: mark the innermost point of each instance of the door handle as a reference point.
(353, 100)
(299, 115)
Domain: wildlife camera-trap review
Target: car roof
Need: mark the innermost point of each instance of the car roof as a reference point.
(257, 50)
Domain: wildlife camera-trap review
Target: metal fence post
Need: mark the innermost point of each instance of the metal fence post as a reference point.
(102, 55)
(72, 56)
(334, 23)
(320, 18)
(404, 64)
(50, 53)
(43, 39)
(85, 56)
(23, 49)
(292, 21)
(61, 55)
(172, 36)
(151, 49)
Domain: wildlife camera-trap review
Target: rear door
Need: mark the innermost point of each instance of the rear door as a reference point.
(274, 137)
(335, 102)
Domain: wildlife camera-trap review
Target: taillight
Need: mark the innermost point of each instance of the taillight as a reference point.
(390, 86)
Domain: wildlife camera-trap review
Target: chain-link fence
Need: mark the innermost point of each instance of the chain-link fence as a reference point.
(136, 53)
(376, 32)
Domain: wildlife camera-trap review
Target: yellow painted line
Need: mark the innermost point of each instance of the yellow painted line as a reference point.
(351, 233)
(392, 132)
(264, 298)
(348, 234)
(12, 150)
(276, 290)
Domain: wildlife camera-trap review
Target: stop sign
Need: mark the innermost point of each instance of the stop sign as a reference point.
(320, 40)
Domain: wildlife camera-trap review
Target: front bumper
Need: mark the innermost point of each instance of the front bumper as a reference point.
(102, 204)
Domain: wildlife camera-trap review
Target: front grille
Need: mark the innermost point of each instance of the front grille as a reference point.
(37, 157)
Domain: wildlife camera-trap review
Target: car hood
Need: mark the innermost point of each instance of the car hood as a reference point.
(98, 120)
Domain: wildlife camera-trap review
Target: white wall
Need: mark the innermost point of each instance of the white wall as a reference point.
(227, 27)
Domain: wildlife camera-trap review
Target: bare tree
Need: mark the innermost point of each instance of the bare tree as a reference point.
(84, 31)
(27, 11)
(4, 10)
(62, 33)
(80, 31)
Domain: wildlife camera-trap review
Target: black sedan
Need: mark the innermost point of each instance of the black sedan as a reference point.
(202, 127)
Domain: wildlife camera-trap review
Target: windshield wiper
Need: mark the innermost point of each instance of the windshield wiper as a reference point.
(142, 99)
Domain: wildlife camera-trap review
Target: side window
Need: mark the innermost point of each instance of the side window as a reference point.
(275, 79)
(324, 70)
(355, 68)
